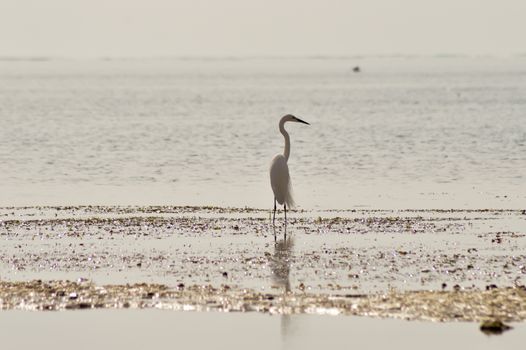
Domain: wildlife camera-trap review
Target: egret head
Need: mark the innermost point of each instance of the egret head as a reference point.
(291, 118)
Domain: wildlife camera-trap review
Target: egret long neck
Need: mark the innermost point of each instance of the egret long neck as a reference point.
(286, 152)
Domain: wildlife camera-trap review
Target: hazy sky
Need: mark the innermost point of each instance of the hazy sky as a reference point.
(266, 27)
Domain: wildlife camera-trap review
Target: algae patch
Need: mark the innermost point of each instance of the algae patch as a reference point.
(506, 304)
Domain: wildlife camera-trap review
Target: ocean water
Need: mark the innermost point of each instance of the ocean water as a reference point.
(406, 132)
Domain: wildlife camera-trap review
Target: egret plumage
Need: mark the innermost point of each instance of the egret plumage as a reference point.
(279, 170)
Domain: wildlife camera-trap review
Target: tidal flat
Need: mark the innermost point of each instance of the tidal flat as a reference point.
(437, 265)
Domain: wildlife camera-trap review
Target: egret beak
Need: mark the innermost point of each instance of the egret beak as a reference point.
(301, 121)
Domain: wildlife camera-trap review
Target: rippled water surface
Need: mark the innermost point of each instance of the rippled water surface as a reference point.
(405, 132)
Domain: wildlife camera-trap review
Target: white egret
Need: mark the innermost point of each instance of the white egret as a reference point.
(279, 170)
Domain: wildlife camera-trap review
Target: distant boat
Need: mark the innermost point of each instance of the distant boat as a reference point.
(356, 69)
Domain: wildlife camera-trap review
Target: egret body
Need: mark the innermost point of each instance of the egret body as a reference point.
(279, 170)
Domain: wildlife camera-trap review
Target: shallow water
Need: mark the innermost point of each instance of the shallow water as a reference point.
(344, 252)
(132, 329)
(438, 265)
(404, 133)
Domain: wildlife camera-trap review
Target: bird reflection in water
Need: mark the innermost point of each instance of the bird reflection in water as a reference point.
(280, 267)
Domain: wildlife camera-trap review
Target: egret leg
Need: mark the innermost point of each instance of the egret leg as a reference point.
(285, 209)
(274, 216)
(274, 220)
(285, 232)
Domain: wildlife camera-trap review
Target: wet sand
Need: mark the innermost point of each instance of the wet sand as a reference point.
(439, 265)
